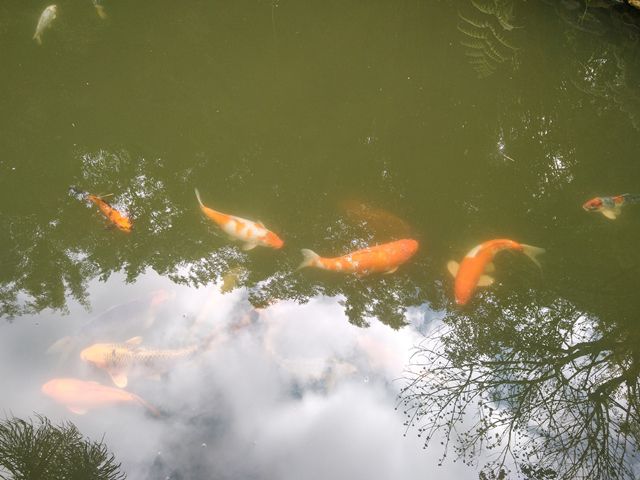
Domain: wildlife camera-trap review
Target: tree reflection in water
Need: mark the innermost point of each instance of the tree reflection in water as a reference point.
(547, 390)
(47, 263)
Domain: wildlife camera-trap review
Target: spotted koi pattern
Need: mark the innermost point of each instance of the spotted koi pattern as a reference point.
(251, 233)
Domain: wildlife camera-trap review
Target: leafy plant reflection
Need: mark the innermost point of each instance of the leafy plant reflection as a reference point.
(49, 261)
(547, 390)
(43, 450)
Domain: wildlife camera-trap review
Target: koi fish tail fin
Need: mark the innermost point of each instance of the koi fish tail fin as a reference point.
(153, 410)
(631, 197)
(76, 192)
(533, 252)
(207, 343)
(37, 38)
(198, 197)
(102, 13)
(310, 258)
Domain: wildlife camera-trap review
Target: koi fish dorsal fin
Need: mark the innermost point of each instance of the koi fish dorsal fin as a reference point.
(533, 252)
(453, 268)
(134, 341)
(485, 281)
(309, 259)
(260, 224)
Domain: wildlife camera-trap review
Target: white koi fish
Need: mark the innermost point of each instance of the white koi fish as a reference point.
(48, 15)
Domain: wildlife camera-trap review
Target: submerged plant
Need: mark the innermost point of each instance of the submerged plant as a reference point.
(41, 450)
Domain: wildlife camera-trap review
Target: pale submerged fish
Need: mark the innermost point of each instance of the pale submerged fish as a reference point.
(118, 359)
(102, 13)
(48, 15)
(80, 396)
(128, 319)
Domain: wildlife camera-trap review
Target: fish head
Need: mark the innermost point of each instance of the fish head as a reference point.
(409, 246)
(49, 388)
(593, 205)
(124, 224)
(98, 354)
(161, 296)
(273, 240)
(61, 388)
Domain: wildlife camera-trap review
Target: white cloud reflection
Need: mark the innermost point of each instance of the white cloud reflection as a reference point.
(288, 392)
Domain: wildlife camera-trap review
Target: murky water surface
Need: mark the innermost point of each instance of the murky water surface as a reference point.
(338, 125)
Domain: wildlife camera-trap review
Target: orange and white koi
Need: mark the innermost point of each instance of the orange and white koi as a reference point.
(610, 207)
(385, 258)
(117, 359)
(251, 233)
(472, 272)
(80, 396)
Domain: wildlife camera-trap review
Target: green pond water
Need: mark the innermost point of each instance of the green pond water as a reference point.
(339, 125)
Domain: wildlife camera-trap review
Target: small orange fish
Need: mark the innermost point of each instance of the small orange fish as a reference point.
(610, 207)
(385, 258)
(80, 396)
(117, 218)
(247, 231)
(471, 273)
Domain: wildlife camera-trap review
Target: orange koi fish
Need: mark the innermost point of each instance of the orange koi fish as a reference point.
(114, 216)
(385, 258)
(610, 207)
(80, 396)
(247, 231)
(117, 359)
(472, 272)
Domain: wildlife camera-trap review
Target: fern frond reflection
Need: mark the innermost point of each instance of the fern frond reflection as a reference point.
(486, 25)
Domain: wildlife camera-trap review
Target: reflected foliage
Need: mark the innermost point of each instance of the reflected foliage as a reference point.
(547, 391)
(529, 127)
(40, 450)
(489, 37)
(47, 263)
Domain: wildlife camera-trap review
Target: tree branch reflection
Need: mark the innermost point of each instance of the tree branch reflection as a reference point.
(536, 388)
